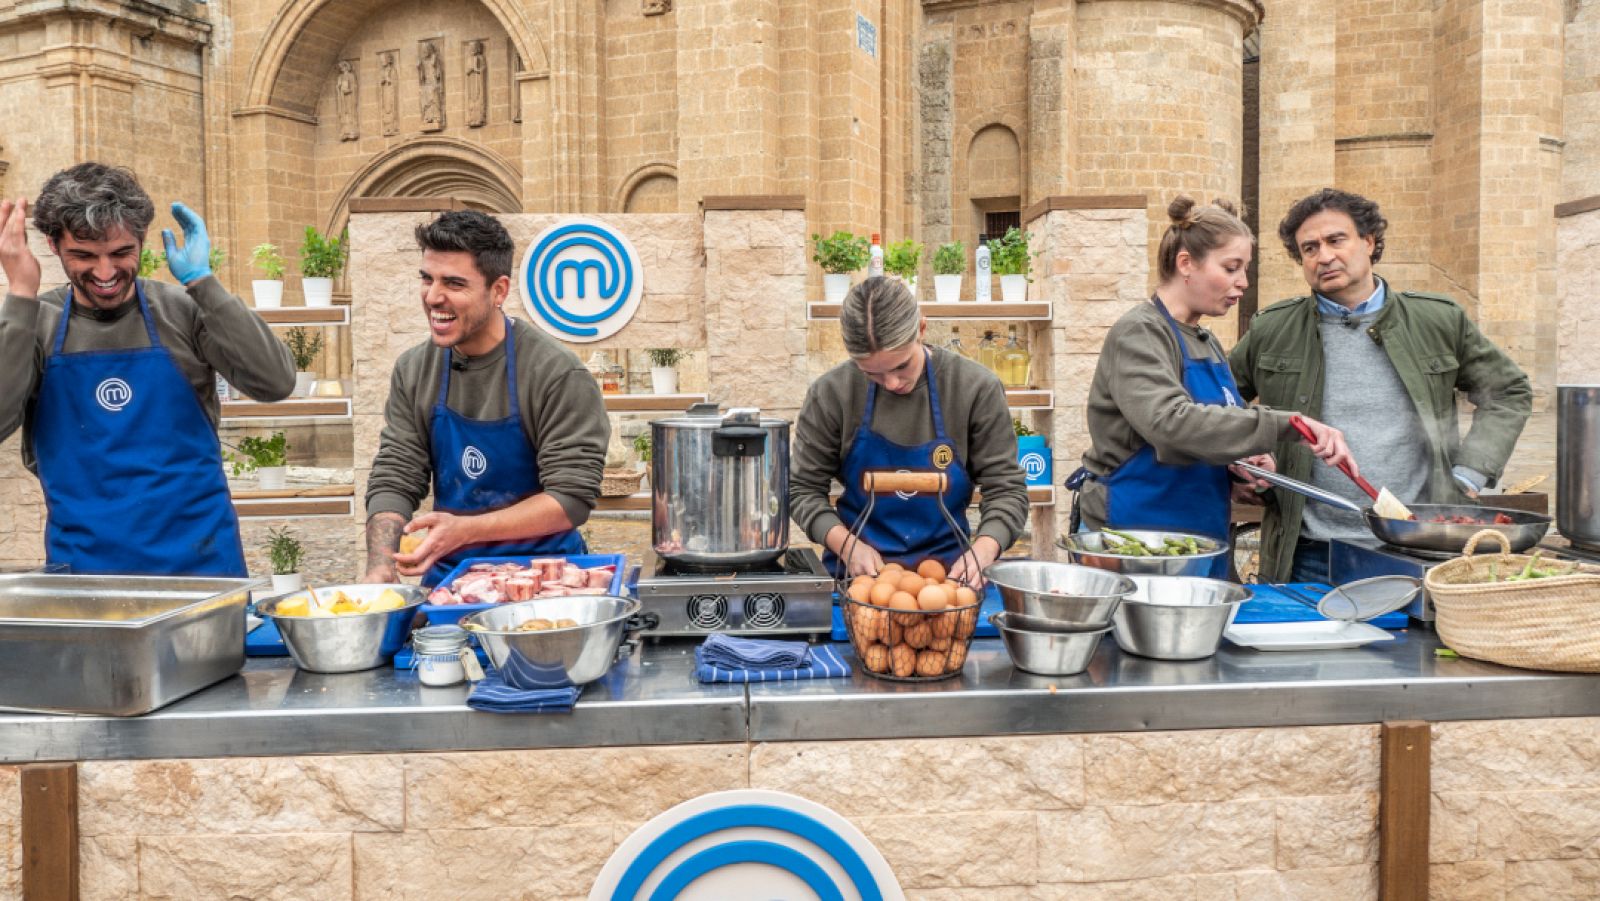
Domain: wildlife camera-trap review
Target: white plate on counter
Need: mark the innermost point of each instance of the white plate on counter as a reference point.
(1318, 635)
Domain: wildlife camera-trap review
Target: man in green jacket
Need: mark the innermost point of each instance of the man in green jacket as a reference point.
(1383, 366)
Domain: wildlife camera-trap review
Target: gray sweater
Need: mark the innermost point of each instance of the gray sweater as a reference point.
(563, 417)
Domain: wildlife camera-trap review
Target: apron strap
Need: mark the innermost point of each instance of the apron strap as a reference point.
(933, 398)
(66, 315)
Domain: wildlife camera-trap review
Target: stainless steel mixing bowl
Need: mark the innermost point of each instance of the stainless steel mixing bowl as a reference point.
(1177, 617)
(1071, 595)
(556, 658)
(1089, 549)
(1052, 653)
(348, 642)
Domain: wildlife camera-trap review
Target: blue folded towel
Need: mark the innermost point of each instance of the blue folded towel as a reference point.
(493, 695)
(729, 652)
(825, 663)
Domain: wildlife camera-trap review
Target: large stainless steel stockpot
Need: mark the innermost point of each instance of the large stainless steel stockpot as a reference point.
(720, 487)
(1578, 463)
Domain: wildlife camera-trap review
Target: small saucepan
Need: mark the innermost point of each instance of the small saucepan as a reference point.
(1423, 534)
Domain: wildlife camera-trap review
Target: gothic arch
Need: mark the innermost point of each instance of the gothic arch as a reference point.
(649, 172)
(435, 167)
(303, 39)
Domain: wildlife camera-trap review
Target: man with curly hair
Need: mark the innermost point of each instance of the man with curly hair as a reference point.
(112, 379)
(1380, 364)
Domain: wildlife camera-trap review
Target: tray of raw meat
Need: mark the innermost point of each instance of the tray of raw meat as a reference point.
(481, 582)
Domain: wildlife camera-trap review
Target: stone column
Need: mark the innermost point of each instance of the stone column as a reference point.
(1578, 233)
(936, 89)
(755, 302)
(1093, 267)
(729, 99)
(1050, 86)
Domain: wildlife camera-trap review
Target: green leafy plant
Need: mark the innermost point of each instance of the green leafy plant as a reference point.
(641, 446)
(258, 453)
(322, 256)
(1008, 254)
(268, 260)
(950, 259)
(216, 258)
(1021, 428)
(304, 345)
(902, 258)
(150, 262)
(843, 253)
(284, 550)
(665, 356)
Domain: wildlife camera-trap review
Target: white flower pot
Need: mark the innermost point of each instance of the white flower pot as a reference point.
(947, 288)
(318, 291)
(835, 286)
(271, 478)
(283, 584)
(302, 383)
(663, 380)
(910, 283)
(268, 293)
(1014, 288)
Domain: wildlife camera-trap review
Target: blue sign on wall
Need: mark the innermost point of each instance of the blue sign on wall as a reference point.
(867, 35)
(581, 280)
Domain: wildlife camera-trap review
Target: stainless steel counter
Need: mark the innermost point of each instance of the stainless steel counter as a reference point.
(273, 709)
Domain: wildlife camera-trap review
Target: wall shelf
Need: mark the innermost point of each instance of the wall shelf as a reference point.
(1030, 399)
(651, 403)
(284, 503)
(317, 409)
(1030, 311)
(334, 315)
(639, 500)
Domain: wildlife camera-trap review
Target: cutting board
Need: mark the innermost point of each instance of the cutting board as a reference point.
(1277, 604)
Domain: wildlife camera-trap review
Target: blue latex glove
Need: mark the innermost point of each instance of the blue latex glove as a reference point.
(193, 262)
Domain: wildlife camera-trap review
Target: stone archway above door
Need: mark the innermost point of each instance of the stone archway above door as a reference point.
(436, 167)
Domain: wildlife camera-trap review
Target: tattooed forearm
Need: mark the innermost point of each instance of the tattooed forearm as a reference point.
(383, 539)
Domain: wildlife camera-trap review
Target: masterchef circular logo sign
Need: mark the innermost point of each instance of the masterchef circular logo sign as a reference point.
(581, 280)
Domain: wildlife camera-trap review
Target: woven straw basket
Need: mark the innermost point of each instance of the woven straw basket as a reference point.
(1550, 624)
(620, 482)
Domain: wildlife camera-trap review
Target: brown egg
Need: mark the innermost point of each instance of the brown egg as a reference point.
(891, 569)
(860, 592)
(881, 593)
(862, 580)
(944, 625)
(931, 663)
(932, 597)
(903, 601)
(932, 570)
(965, 597)
(876, 658)
(920, 635)
(911, 584)
(956, 657)
(903, 660)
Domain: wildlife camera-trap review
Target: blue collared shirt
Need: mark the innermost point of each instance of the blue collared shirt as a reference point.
(1371, 305)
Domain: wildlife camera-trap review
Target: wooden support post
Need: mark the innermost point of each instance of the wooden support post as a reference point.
(50, 832)
(1403, 809)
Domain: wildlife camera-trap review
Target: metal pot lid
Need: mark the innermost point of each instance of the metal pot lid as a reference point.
(1366, 599)
(710, 416)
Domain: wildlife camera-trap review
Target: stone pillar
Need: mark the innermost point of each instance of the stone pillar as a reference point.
(1092, 268)
(1050, 86)
(849, 187)
(936, 89)
(1158, 96)
(574, 107)
(1578, 234)
(729, 98)
(755, 302)
(1297, 91)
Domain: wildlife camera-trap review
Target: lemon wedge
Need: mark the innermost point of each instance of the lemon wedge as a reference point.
(389, 600)
(1389, 507)
(299, 605)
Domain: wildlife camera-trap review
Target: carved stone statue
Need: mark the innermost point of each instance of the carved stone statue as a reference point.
(430, 77)
(345, 91)
(389, 91)
(657, 7)
(477, 85)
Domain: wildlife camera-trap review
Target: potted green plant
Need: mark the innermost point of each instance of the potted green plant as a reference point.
(949, 262)
(1013, 262)
(150, 262)
(902, 259)
(663, 372)
(268, 292)
(304, 345)
(321, 260)
(284, 550)
(267, 457)
(839, 256)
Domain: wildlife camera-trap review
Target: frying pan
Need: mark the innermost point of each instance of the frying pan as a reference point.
(1525, 531)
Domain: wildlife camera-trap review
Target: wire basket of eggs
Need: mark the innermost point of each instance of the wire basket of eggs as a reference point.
(910, 625)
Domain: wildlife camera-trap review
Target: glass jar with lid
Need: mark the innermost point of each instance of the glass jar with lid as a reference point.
(436, 654)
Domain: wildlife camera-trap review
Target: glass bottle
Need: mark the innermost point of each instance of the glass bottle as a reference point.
(1012, 362)
(875, 260)
(985, 352)
(980, 259)
(954, 345)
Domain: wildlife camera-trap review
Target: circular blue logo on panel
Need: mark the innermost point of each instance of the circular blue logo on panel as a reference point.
(581, 280)
(1034, 464)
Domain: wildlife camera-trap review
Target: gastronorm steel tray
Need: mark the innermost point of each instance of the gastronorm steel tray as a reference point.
(116, 645)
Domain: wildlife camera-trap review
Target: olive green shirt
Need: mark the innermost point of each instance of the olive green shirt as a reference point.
(562, 412)
(206, 330)
(1137, 398)
(976, 420)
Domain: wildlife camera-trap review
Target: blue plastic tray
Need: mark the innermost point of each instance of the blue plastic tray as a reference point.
(264, 641)
(1278, 604)
(450, 613)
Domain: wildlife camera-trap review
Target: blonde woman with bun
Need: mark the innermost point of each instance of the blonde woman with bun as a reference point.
(1165, 418)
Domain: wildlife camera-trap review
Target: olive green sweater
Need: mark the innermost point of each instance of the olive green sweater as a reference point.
(204, 328)
(1137, 398)
(563, 417)
(976, 419)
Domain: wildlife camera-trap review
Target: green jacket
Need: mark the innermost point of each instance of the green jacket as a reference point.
(1436, 350)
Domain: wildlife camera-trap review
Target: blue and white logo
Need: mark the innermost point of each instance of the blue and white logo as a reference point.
(113, 394)
(748, 843)
(1034, 465)
(581, 280)
(473, 462)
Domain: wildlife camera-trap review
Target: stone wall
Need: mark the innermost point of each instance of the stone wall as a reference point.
(1577, 352)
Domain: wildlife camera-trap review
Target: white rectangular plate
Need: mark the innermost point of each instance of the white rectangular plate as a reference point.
(1307, 636)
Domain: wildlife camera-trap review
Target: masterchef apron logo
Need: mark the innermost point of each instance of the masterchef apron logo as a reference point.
(747, 843)
(1033, 464)
(113, 394)
(581, 280)
(473, 462)
(943, 456)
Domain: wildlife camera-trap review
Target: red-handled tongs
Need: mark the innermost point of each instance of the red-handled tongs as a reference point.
(1311, 438)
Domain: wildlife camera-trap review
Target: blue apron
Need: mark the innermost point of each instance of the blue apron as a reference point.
(1144, 493)
(905, 529)
(130, 464)
(480, 466)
